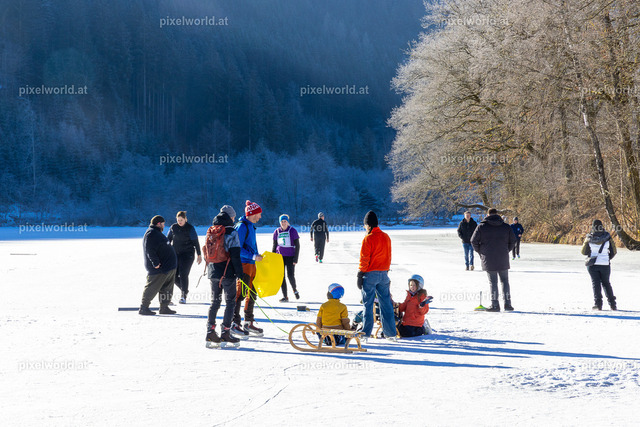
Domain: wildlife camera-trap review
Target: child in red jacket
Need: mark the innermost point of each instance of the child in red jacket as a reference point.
(414, 307)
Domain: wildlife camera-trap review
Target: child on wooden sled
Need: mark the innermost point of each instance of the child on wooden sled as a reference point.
(333, 314)
(414, 307)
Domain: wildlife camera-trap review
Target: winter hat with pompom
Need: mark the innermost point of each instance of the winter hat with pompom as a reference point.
(252, 208)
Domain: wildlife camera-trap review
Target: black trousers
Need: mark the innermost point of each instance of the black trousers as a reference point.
(600, 279)
(410, 331)
(516, 248)
(228, 284)
(185, 261)
(291, 271)
(506, 289)
(318, 244)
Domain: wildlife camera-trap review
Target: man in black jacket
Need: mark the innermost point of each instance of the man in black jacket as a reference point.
(493, 240)
(465, 230)
(161, 262)
(184, 238)
(319, 235)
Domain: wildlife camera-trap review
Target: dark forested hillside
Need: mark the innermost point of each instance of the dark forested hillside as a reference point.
(133, 89)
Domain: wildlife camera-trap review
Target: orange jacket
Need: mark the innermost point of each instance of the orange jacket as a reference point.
(413, 313)
(375, 254)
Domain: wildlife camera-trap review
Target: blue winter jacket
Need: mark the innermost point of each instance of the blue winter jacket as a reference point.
(247, 234)
(518, 229)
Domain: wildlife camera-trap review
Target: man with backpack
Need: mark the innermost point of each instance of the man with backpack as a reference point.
(249, 255)
(222, 254)
(161, 262)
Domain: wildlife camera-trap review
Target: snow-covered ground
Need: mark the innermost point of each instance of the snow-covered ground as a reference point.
(69, 357)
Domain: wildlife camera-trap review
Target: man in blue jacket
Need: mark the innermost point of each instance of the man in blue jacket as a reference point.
(161, 262)
(518, 230)
(249, 255)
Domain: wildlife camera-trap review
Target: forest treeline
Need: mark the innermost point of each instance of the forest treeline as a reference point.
(239, 88)
(529, 106)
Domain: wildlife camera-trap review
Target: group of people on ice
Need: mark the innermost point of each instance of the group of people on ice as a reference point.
(231, 252)
(494, 239)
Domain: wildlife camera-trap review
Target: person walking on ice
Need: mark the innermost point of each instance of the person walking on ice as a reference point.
(465, 230)
(249, 255)
(286, 242)
(493, 240)
(518, 230)
(600, 248)
(319, 235)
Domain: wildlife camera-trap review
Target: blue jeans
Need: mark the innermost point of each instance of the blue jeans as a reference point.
(376, 283)
(468, 254)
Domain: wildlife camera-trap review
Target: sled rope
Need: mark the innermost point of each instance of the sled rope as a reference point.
(246, 289)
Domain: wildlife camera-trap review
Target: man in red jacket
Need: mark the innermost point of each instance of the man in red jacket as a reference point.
(373, 278)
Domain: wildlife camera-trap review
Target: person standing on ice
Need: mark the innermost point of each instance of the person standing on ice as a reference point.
(249, 255)
(184, 238)
(161, 262)
(373, 277)
(493, 240)
(518, 230)
(465, 230)
(600, 245)
(286, 242)
(319, 235)
(223, 276)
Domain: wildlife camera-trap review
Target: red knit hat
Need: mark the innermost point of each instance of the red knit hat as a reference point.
(252, 208)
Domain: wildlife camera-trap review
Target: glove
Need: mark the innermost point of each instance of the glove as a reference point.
(426, 301)
(360, 279)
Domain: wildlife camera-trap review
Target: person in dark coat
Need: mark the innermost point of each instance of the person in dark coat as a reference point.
(223, 276)
(493, 240)
(319, 235)
(184, 238)
(465, 230)
(599, 244)
(161, 262)
(518, 230)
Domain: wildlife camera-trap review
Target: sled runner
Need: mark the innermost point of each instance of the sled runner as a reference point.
(310, 332)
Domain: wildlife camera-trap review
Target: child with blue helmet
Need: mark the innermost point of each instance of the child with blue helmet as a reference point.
(333, 314)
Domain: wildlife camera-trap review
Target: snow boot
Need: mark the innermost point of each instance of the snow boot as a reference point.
(508, 306)
(297, 294)
(164, 309)
(212, 340)
(471, 267)
(145, 311)
(466, 268)
(238, 332)
(183, 299)
(597, 307)
(253, 329)
(494, 308)
(285, 299)
(228, 339)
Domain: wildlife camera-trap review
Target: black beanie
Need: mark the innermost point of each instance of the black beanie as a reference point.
(597, 225)
(371, 219)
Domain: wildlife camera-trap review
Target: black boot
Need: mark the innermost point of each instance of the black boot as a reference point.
(508, 306)
(164, 309)
(212, 340)
(495, 307)
(597, 307)
(145, 311)
(228, 338)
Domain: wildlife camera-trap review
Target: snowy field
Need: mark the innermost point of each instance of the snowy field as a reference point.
(70, 358)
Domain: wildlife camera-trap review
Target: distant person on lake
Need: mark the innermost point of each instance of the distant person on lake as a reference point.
(319, 235)
(465, 230)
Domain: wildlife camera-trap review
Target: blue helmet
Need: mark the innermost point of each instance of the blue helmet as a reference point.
(336, 290)
(418, 279)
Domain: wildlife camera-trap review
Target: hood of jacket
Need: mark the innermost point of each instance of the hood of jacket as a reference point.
(598, 237)
(494, 220)
(224, 219)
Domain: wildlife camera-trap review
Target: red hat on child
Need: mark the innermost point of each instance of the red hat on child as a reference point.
(252, 208)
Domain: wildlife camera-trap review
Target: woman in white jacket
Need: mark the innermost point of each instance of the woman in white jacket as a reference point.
(599, 245)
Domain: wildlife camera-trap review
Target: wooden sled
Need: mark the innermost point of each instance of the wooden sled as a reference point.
(312, 328)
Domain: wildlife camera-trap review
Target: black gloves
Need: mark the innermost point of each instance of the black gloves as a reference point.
(360, 279)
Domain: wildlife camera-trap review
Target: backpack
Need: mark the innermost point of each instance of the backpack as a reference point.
(213, 248)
